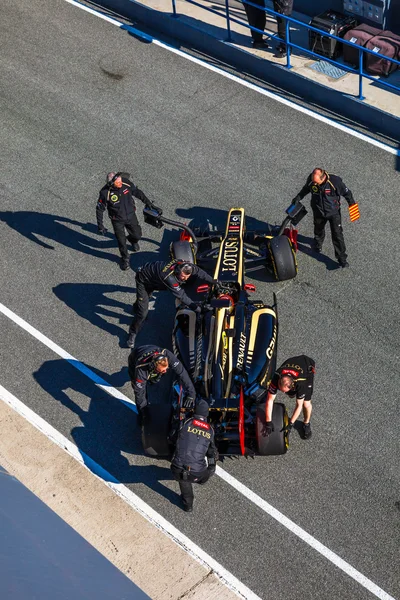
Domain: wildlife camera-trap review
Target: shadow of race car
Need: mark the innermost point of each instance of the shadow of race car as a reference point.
(230, 348)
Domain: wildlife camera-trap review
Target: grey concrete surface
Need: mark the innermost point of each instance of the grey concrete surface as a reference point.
(197, 144)
(42, 557)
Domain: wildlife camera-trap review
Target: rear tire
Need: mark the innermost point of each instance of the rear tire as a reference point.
(283, 258)
(277, 442)
(182, 250)
(155, 430)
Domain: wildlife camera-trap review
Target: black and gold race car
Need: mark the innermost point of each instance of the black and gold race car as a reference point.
(229, 349)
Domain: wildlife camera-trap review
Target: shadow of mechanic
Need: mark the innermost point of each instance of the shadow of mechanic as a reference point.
(54, 228)
(108, 426)
(100, 304)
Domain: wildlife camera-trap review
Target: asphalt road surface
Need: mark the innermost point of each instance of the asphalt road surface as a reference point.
(80, 97)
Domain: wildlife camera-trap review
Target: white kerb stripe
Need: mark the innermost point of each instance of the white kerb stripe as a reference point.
(240, 487)
(129, 497)
(252, 86)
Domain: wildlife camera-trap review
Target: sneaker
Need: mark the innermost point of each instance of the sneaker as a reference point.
(124, 264)
(306, 431)
(344, 264)
(260, 44)
(135, 247)
(280, 52)
(131, 340)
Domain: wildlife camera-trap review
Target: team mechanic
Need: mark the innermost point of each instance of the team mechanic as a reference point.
(195, 442)
(146, 365)
(295, 377)
(161, 275)
(325, 192)
(118, 197)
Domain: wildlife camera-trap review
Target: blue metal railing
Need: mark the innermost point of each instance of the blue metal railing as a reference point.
(290, 45)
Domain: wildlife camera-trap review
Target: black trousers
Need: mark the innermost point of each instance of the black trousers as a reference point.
(256, 18)
(141, 306)
(186, 486)
(281, 25)
(335, 223)
(134, 234)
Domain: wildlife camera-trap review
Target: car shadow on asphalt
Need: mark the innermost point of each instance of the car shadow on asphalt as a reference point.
(108, 433)
(61, 230)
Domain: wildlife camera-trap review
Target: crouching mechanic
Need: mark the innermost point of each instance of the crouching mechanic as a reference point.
(160, 275)
(295, 377)
(189, 464)
(147, 364)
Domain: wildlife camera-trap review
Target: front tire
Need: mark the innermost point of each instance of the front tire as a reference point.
(183, 250)
(277, 442)
(283, 258)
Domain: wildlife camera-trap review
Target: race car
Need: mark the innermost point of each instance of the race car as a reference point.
(229, 349)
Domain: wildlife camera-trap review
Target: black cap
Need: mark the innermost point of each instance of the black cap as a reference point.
(201, 408)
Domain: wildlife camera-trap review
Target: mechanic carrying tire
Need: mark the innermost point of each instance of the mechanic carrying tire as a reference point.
(195, 442)
(146, 365)
(295, 377)
(117, 196)
(160, 275)
(325, 192)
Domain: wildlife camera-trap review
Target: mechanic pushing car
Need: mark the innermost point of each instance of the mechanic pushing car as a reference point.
(161, 275)
(147, 364)
(117, 196)
(326, 191)
(195, 442)
(295, 377)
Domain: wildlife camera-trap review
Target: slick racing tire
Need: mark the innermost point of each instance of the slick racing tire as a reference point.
(277, 442)
(183, 250)
(283, 258)
(155, 430)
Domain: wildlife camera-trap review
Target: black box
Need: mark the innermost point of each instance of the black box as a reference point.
(334, 23)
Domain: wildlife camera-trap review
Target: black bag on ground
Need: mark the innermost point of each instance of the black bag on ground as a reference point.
(388, 44)
(359, 36)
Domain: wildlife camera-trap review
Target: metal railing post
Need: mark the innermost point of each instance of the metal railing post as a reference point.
(174, 13)
(360, 73)
(228, 23)
(287, 42)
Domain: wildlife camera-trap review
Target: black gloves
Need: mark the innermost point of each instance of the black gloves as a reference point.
(154, 207)
(188, 402)
(102, 230)
(267, 429)
(295, 200)
(288, 427)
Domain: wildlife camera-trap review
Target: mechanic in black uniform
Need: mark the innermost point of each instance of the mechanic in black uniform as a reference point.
(284, 7)
(257, 18)
(325, 192)
(117, 196)
(161, 275)
(195, 442)
(295, 377)
(147, 364)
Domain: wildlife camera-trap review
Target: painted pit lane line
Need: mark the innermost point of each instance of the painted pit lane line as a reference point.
(252, 86)
(149, 513)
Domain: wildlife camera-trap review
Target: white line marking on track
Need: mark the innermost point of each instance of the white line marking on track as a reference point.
(252, 86)
(237, 485)
(129, 497)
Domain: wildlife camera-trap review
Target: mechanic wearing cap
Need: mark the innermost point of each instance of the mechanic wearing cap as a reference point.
(147, 364)
(160, 275)
(325, 192)
(117, 196)
(295, 377)
(195, 442)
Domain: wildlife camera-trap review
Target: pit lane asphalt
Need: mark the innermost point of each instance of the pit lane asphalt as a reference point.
(79, 98)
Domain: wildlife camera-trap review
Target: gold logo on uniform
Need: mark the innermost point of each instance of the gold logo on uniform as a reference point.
(114, 198)
(314, 188)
